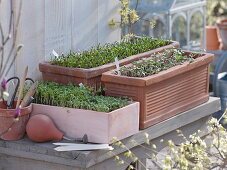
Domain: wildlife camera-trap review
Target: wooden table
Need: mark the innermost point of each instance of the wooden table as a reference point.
(27, 155)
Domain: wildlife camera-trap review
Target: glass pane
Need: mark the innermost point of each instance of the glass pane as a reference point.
(159, 29)
(141, 28)
(185, 2)
(153, 5)
(196, 28)
(144, 27)
(179, 30)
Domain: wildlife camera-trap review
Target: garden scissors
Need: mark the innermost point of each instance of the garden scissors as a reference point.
(10, 102)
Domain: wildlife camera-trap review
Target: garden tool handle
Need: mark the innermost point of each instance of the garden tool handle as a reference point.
(10, 106)
(29, 94)
(22, 86)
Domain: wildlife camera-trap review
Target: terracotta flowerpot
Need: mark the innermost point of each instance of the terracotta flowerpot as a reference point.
(222, 28)
(100, 127)
(165, 94)
(212, 41)
(90, 77)
(6, 121)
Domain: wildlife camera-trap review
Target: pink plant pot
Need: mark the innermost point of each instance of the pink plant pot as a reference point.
(100, 127)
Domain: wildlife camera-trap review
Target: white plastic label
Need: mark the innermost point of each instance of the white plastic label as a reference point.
(81, 84)
(55, 53)
(117, 65)
(81, 147)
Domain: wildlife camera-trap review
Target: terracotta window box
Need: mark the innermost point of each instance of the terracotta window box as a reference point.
(90, 77)
(100, 127)
(165, 94)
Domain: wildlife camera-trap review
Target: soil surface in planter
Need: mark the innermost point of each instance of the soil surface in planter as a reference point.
(90, 76)
(165, 94)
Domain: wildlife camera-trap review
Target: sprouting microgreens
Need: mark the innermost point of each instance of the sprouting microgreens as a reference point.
(104, 54)
(157, 63)
(50, 93)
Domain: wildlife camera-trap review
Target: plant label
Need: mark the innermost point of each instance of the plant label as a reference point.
(81, 85)
(55, 54)
(117, 65)
(81, 147)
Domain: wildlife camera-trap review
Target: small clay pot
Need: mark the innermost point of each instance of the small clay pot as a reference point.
(222, 29)
(212, 41)
(9, 128)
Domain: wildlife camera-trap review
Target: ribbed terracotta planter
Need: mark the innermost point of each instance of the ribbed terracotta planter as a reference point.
(90, 77)
(222, 28)
(212, 40)
(6, 121)
(165, 94)
(100, 127)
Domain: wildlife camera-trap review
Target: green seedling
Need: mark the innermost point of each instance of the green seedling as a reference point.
(104, 54)
(157, 63)
(50, 93)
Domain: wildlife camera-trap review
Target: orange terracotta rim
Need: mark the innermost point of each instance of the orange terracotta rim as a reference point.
(10, 112)
(222, 22)
(211, 27)
(96, 71)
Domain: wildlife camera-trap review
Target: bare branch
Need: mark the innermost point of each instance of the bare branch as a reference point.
(10, 57)
(14, 58)
(2, 44)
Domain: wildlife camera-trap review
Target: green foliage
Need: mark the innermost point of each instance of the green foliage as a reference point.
(216, 10)
(157, 63)
(195, 153)
(104, 54)
(50, 93)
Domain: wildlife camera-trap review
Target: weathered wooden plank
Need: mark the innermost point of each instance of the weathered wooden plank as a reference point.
(84, 24)
(31, 35)
(58, 26)
(108, 9)
(44, 158)
(5, 23)
(61, 25)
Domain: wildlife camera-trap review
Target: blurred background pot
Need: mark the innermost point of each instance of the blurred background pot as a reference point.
(212, 41)
(222, 28)
(9, 128)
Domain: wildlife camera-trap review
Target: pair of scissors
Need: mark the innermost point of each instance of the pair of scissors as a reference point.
(10, 104)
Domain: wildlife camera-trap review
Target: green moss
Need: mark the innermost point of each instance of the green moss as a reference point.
(100, 55)
(50, 93)
(158, 63)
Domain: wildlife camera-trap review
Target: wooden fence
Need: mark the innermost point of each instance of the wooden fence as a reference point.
(61, 25)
